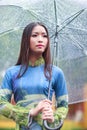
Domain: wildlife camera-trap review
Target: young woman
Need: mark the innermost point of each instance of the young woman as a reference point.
(29, 80)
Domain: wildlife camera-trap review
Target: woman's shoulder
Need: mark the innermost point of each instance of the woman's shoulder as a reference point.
(57, 69)
(58, 73)
(13, 69)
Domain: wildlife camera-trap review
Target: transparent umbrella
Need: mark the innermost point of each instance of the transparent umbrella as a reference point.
(67, 24)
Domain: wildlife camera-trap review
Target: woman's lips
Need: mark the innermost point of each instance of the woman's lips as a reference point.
(40, 45)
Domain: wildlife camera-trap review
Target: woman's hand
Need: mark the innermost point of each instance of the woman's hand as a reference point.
(40, 107)
(47, 113)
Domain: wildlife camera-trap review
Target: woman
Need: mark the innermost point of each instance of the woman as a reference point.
(29, 80)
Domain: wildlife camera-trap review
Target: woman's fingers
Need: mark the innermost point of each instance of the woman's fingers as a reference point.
(47, 114)
(43, 105)
(47, 100)
(49, 117)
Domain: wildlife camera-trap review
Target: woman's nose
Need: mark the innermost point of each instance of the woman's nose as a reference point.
(40, 39)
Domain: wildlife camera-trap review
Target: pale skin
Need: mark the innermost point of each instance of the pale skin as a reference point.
(38, 44)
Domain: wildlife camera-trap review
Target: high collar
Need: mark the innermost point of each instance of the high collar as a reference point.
(37, 62)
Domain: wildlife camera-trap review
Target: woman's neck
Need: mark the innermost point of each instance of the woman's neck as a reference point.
(34, 58)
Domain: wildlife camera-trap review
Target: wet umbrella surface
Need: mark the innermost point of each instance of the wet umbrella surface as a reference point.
(67, 24)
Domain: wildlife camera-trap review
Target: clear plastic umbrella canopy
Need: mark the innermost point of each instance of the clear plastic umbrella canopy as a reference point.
(67, 24)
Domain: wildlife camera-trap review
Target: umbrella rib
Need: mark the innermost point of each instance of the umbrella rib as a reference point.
(78, 45)
(75, 41)
(72, 34)
(9, 31)
(55, 10)
(40, 17)
(6, 32)
(12, 6)
(74, 102)
(32, 12)
(75, 16)
(77, 29)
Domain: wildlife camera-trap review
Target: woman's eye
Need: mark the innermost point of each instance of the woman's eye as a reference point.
(33, 35)
(36, 35)
(44, 35)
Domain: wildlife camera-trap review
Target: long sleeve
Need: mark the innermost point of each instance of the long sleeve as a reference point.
(16, 112)
(61, 97)
(62, 109)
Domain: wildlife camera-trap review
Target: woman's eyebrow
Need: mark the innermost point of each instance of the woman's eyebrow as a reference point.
(38, 33)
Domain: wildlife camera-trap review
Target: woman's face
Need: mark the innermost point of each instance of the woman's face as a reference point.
(38, 40)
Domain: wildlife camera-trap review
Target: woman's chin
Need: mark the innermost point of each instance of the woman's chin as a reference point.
(40, 51)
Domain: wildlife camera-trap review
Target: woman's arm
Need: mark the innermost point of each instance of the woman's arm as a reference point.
(61, 95)
(15, 112)
(62, 108)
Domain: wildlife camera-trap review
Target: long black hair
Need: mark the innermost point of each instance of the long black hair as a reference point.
(23, 58)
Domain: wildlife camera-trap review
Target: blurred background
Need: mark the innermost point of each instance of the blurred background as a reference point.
(67, 25)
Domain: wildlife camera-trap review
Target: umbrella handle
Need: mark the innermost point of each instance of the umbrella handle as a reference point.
(29, 120)
(49, 128)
